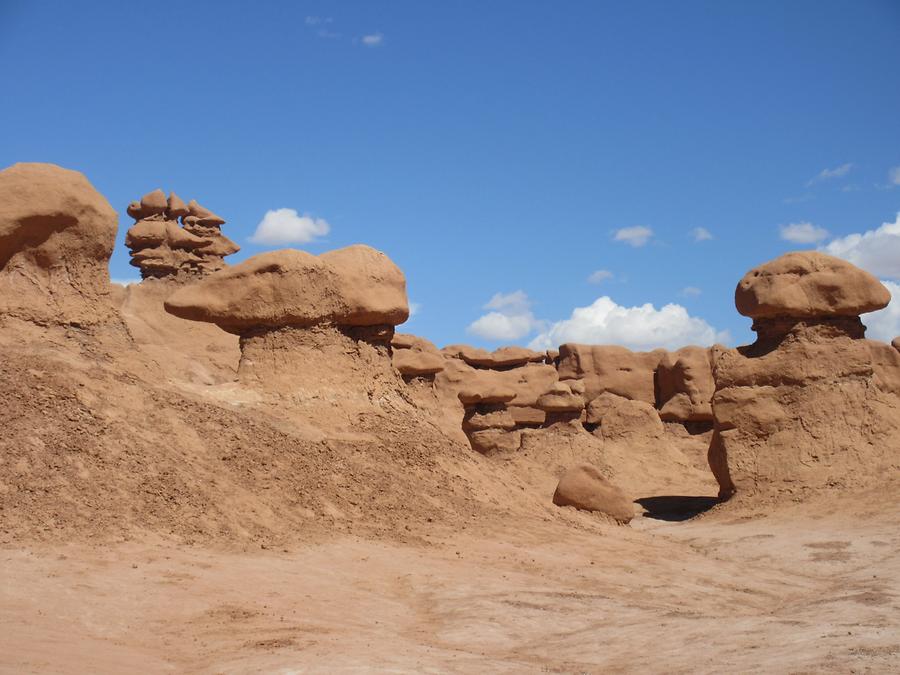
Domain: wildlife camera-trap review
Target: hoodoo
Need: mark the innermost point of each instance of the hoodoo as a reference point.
(811, 403)
(56, 236)
(160, 247)
(304, 319)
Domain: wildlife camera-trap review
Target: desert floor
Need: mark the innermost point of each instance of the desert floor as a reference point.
(803, 588)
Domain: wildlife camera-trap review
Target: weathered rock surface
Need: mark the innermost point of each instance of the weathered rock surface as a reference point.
(685, 385)
(160, 247)
(357, 286)
(611, 368)
(811, 404)
(808, 284)
(56, 236)
(585, 488)
(618, 418)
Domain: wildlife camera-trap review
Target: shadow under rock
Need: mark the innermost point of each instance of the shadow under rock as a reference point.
(675, 507)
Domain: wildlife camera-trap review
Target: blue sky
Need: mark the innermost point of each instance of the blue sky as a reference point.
(488, 148)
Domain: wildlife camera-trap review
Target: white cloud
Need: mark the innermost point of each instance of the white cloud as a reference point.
(826, 174)
(885, 323)
(639, 328)
(600, 276)
(876, 251)
(701, 234)
(511, 318)
(373, 40)
(691, 291)
(414, 308)
(286, 226)
(634, 236)
(124, 282)
(803, 233)
(316, 20)
(894, 176)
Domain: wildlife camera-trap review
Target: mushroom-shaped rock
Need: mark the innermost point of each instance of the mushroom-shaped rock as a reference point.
(56, 236)
(293, 288)
(585, 488)
(154, 202)
(808, 284)
(146, 233)
(415, 363)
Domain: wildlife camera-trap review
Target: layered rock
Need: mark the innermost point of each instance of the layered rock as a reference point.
(56, 236)
(160, 247)
(811, 403)
(616, 418)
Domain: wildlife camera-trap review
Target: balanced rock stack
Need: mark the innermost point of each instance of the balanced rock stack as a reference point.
(811, 403)
(488, 423)
(160, 247)
(306, 321)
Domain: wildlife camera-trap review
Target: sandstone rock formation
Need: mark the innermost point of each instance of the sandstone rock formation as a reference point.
(160, 247)
(295, 312)
(585, 488)
(616, 418)
(811, 403)
(611, 368)
(685, 385)
(416, 357)
(56, 236)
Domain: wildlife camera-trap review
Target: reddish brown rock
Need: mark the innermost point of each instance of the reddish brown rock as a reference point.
(56, 236)
(611, 368)
(685, 385)
(618, 418)
(808, 284)
(585, 488)
(415, 363)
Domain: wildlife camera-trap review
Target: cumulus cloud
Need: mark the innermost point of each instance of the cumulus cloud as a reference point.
(877, 251)
(511, 318)
(373, 40)
(803, 233)
(885, 323)
(599, 276)
(701, 234)
(634, 236)
(286, 226)
(827, 174)
(639, 328)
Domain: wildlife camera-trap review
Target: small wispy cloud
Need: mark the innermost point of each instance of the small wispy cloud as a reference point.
(701, 234)
(317, 20)
(803, 233)
(599, 276)
(414, 308)
(691, 291)
(894, 176)
(373, 40)
(828, 174)
(634, 236)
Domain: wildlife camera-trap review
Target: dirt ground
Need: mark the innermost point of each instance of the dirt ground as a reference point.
(806, 588)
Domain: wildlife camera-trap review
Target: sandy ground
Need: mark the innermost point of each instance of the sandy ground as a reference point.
(805, 589)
